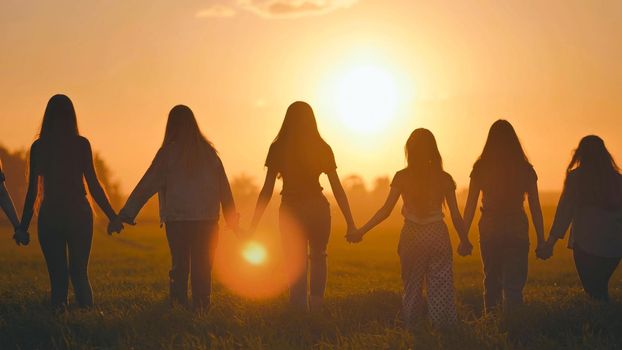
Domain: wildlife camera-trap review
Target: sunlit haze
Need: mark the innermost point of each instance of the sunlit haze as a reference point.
(372, 72)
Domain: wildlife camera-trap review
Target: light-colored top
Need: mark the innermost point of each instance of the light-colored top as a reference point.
(596, 230)
(184, 195)
(422, 206)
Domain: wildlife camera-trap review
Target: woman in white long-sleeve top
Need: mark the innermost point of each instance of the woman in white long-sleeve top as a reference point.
(591, 203)
(192, 187)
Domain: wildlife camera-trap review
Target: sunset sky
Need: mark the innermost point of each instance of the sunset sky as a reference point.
(373, 70)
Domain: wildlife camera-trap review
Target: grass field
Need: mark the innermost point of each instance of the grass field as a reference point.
(129, 277)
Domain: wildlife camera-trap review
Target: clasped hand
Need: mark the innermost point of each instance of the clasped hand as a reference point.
(21, 237)
(465, 248)
(354, 235)
(544, 250)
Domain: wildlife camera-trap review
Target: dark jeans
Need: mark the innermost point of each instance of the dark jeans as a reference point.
(594, 272)
(193, 246)
(504, 244)
(305, 229)
(65, 236)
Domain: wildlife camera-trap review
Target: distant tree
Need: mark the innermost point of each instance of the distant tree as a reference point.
(245, 190)
(381, 189)
(105, 176)
(110, 185)
(354, 185)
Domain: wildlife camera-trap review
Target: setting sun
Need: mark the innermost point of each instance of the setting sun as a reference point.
(254, 253)
(365, 98)
(299, 174)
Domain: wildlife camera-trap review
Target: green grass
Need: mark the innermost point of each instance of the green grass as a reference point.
(129, 277)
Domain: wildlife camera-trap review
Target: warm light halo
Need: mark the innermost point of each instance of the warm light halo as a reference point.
(254, 253)
(365, 98)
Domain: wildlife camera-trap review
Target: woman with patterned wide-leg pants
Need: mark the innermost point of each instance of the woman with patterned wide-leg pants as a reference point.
(426, 258)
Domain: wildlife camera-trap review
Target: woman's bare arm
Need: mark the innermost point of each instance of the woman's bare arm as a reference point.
(471, 205)
(6, 202)
(33, 189)
(383, 213)
(341, 198)
(264, 197)
(95, 188)
(536, 212)
(456, 218)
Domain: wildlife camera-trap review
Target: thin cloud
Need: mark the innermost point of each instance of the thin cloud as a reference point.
(293, 8)
(275, 8)
(216, 10)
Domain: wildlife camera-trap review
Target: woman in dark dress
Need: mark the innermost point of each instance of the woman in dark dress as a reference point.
(299, 156)
(60, 162)
(504, 175)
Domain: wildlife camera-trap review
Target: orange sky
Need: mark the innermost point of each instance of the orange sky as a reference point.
(550, 67)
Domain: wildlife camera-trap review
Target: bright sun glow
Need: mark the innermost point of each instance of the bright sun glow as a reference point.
(254, 253)
(366, 98)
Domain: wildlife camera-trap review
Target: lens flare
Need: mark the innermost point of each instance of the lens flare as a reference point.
(254, 253)
(261, 268)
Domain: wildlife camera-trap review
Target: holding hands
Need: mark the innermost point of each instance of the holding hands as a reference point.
(544, 250)
(465, 247)
(21, 236)
(354, 235)
(115, 225)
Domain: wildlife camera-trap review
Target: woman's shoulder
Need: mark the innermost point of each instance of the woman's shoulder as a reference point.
(401, 173)
(327, 148)
(36, 147)
(447, 176)
(80, 142)
(165, 151)
(448, 181)
(477, 169)
(572, 175)
(530, 172)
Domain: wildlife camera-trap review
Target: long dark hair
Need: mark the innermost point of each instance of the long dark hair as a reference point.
(598, 174)
(503, 160)
(425, 167)
(503, 146)
(299, 139)
(58, 129)
(183, 130)
(59, 120)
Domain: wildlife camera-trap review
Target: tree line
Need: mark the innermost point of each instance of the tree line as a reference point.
(365, 199)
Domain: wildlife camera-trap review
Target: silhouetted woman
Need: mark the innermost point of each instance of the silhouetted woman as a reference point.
(60, 161)
(6, 203)
(424, 247)
(192, 187)
(299, 156)
(504, 175)
(592, 202)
